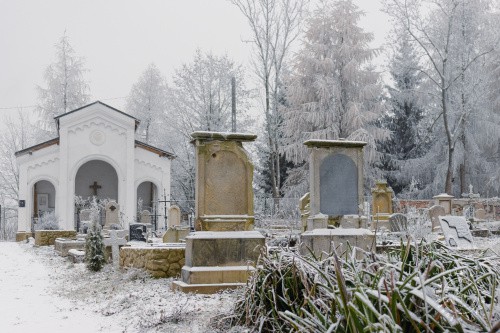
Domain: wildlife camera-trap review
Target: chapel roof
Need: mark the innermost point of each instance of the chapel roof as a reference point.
(36, 147)
(137, 121)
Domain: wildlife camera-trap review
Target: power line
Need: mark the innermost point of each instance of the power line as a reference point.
(34, 106)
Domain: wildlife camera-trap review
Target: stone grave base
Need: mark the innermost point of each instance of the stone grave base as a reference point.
(226, 222)
(161, 261)
(322, 241)
(22, 236)
(219, 260)
(48, 237)
(76, 256)
(480, 233)
(378, 225)
(176, 234)
(63, 245)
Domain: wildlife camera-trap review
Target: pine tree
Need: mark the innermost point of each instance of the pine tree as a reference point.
(66, 88)
(405, 114)
(94, 245)
(333, 91)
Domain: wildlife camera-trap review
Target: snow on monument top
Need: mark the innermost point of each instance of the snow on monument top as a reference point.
(334, 143)
(223, 136)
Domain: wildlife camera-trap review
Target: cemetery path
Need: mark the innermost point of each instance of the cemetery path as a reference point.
(26, 301)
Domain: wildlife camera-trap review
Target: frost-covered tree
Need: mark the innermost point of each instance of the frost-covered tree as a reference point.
(275, 26)
(94, 245)
(405, 113)
(147, 101)
(333, 91)
(200, 100)
(66, 88)
(454, 38)
(18, 134)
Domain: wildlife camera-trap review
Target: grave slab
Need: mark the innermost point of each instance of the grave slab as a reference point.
(456, 232)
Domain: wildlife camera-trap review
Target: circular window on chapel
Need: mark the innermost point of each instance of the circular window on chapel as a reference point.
(97, 137)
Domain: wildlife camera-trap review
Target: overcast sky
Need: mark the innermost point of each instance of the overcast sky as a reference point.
(119, 38)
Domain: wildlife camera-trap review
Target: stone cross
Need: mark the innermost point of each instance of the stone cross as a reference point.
(115, 240)
(95, 187)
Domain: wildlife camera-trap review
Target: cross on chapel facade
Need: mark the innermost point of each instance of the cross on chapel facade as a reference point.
(95, 145)
(95, 187)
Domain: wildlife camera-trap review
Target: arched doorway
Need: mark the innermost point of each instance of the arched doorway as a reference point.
(44, 198)
(97, 178)
(147, 200)
(147, 194)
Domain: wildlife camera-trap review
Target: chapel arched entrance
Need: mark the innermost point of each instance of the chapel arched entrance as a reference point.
(44, 199)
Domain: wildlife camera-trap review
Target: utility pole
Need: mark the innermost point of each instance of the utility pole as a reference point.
(233, 104)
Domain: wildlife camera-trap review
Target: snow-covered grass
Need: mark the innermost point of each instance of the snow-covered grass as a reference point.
(40, 288)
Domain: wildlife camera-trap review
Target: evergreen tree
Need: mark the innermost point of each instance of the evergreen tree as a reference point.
(94, 248)
(66, 88)
(333, 92)
(405, 114)
(94, 245)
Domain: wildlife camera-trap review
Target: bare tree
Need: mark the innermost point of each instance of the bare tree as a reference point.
(148, 101)
(275, 26)
(441, 30)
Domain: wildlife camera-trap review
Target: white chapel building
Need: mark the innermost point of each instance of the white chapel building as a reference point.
(95, 154)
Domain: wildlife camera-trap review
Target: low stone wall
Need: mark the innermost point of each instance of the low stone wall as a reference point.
(23, 236)
(48, 237)
(160, 262)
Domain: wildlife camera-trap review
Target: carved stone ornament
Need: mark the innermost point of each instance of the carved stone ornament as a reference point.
(97, 137)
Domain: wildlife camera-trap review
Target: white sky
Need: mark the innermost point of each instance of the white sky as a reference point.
(119, 38)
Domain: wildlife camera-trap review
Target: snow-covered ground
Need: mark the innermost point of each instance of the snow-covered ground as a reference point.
(42, 292)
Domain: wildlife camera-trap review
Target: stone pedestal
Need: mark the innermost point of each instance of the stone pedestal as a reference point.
(444, 200)
(176, 234)
(381, 202)
(336, 198)
(322, 242)
(223, 251)
(63, 245)
(219, 260)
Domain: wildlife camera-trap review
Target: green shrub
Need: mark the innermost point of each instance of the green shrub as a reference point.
(419, 288)
(94, 248)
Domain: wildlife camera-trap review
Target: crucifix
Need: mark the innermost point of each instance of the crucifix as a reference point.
(95, 187)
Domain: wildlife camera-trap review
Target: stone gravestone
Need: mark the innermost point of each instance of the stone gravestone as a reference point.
(115, 240)
(336, 197)
(138, 232)
(174, 216)
(398, 223)
(85, 220)
(434, 213)
(224, 193)
(112, 214)
(145, 217)
(480, 214)
(381, 204)
(223, 251)
(469, 212)
(304, 208)
(456, 232)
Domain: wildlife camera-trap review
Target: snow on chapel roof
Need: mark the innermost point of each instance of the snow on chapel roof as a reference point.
(55, 141)
(137, 121)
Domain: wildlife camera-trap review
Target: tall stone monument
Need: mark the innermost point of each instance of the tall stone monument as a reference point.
(444, 200)
(381, 205)
(223, 250)
(336, 197)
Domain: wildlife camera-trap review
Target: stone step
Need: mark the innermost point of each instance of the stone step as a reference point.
(204, 288)
(216, 275)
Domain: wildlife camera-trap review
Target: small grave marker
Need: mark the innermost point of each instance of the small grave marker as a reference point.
(116, 238)
(456, 232)
(138, 232)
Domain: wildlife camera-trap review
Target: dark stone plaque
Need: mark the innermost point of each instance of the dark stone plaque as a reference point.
(338, 186)
(138, 232)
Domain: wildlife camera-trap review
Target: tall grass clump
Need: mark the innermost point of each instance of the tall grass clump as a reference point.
(418, 288)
